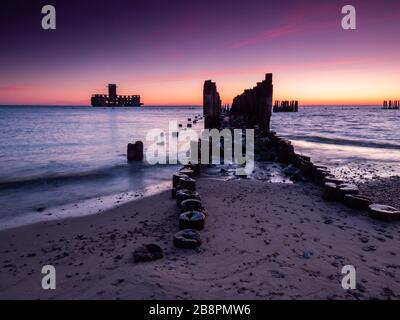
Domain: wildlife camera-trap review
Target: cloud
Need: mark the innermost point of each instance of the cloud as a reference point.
(265, 36)
(11, 88)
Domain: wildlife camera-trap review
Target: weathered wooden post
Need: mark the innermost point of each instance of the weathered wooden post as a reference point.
(135, 151)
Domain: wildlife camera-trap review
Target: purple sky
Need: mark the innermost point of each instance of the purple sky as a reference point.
(164, 50)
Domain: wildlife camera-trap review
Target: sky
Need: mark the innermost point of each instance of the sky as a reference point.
(165, 50)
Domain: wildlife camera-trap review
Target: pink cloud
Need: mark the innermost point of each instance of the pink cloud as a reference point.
(265, 36)
(11, 88)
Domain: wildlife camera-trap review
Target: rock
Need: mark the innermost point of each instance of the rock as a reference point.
(319, 174)
(357, 201)
(290, 170)
(184, 194)
(347, 188)
(147, 252)
(187, 239)
(192, 204)
(333, 179)
(135, 151)
(189, 125)
(192, 220)
(330, 192)
(383, 212)
(187, 183)
(176, 177)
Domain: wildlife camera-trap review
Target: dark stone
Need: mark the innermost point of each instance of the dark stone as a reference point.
(192, 220)
(357, 201)
(383, 212)
(330, 192)
(135, 151)
(347, 188)
(187, 239)
(147, 252)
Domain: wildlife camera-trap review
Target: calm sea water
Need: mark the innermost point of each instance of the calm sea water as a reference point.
(355, 142)
(52, 156)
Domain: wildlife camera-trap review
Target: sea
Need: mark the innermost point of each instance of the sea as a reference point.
(63, 161)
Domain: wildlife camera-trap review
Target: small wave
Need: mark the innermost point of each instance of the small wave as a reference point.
(346, 142)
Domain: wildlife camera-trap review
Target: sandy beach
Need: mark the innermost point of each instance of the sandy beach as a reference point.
(261, 241)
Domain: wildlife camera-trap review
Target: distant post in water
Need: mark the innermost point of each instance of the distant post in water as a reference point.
(135, 151)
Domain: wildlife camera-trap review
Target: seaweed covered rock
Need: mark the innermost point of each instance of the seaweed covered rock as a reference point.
(147, 252)
(187, 239)
(383, 212)
(192, 220)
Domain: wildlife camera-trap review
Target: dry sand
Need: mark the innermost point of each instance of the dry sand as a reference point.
(261, 241)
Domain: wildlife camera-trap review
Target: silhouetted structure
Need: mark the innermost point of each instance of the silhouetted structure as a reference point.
(286, 106)
(255, 105)
(114, 100)
(392, 105)
(211, 105)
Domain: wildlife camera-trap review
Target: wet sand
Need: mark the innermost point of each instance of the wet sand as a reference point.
(261, 241)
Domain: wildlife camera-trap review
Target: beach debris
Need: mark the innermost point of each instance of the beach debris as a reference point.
(383, 212)
(192, 204)
(135, 151)
(147, 252)
(184, 194)
(187, 239)
(192, 220)
(357, 202)
(187, 183)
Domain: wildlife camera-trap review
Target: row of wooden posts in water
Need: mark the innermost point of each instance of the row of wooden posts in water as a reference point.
(395, 104)
(286, 106)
